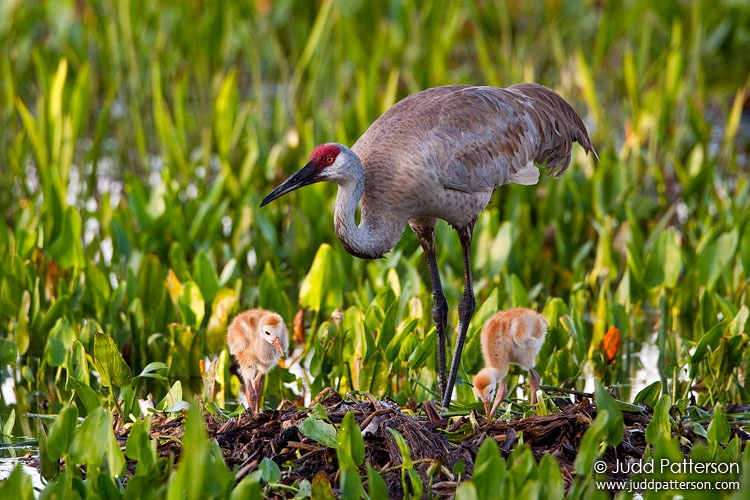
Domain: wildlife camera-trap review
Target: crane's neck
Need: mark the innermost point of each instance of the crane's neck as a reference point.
(376, 233)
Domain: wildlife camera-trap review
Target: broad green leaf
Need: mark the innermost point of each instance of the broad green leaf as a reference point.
(322, 287)
(373, 378)
(710, 339)
(467, 491)
(269, 471)
(649, 395)
(718, 430)
(403, 448)
(10, 421)
(62, 432)
(615, 423)
(664, 260)
(201, 471)
(67, 249)
(77, 365)
(350, 446)
(140, 446)
(191, 304)
(8, 352)
(607, 429)
(375, 484)
(551, 480)
(61, 338)
(205, 276)
(320, 431)
(349, 482)
(151, 279)
(112, 368)
(225, 301)
(591, 443)
(22, 335)
(318, 411)
(173, 397)
(660, 425)
(423, 351)
(715, 256)
(96, 441)
(86, 394)
(17, 485)
(248, 489)
(489, 469)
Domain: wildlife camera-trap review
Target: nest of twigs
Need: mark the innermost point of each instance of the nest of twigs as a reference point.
(247, 440)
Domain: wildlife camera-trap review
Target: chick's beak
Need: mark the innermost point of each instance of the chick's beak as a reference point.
(487, 409)
(277, 345)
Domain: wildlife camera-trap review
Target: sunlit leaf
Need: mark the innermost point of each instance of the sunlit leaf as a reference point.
(67, 249)
(61, 338)
(718, 430)
(110, 364)
(715, 257)
(320, 431)
(660, 425)
(322, 287)
(649, 395)
(269, 470)
(191, 304)
(350, 446)
(17, 485)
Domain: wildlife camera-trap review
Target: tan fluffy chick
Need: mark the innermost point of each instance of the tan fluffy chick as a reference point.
(257, 338)
(512, 336)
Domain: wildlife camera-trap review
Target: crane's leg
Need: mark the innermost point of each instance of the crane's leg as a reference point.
(465, 310)
(426, 235)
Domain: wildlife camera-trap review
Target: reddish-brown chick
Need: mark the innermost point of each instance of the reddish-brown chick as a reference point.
(512, 336)
(258, 339)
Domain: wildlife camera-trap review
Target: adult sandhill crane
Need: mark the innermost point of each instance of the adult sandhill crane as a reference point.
(512, 336)
(257, 338)
(440, 154)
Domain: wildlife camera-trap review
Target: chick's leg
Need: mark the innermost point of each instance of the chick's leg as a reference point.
(534, 381)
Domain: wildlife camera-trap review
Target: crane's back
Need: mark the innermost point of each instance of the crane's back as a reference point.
(459, 143)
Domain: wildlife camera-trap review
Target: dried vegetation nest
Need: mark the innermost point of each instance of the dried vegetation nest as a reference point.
(436, 444)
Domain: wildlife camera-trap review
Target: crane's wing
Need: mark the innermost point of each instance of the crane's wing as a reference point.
(502, 133)
(479, 138)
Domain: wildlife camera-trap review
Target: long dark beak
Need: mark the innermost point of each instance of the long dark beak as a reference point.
(303, 177)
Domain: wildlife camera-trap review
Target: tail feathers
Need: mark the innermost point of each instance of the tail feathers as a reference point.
(559, 123)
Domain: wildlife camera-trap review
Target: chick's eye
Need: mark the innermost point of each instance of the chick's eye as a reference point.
(329, 160)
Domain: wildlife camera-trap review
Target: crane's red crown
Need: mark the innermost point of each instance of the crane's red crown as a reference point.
(324, 155)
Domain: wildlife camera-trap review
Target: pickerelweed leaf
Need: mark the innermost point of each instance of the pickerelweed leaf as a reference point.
(61, 338)
(649, 395)
(62, 432)
(660, 425)
(110, 364)
(191, 304)
(350, 446)
(718, 430)
(319, 430)
(269, 471)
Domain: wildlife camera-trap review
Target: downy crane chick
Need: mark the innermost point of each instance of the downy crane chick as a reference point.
(512, 336)
(258, 339)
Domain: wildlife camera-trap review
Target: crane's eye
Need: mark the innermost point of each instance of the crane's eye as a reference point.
(329, 160)
(267, 332)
